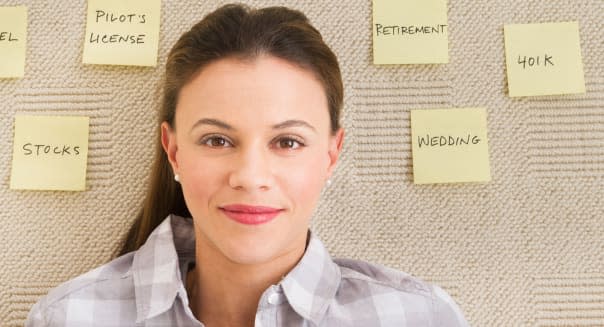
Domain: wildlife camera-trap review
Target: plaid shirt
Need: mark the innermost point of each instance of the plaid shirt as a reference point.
(145, 288)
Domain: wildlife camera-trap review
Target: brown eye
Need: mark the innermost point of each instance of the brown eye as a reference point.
(216, 142)
(288, 143)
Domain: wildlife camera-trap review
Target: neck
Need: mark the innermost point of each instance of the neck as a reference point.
(226, 293)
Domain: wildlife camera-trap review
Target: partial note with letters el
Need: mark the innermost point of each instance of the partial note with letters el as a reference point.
(13, 41)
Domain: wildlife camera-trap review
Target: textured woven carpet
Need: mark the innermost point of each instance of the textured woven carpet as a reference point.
(526, 249)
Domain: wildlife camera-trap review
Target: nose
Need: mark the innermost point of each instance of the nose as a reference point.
(251, 170)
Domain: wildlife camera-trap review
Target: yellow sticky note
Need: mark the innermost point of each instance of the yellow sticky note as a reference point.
(543, 59)
(13, 37)
(450, 146)
(122, 32)
(50, 153)
(410, 32)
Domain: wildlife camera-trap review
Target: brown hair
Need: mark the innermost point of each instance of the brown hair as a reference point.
(230, 31)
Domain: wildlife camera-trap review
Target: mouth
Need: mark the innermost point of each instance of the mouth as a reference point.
(250, 215)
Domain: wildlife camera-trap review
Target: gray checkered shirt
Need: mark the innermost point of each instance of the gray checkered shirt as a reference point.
(145, 288)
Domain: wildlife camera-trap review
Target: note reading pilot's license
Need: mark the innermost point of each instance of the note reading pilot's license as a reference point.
(410, 32)
(543, 59)
(122, 32)
(50, 153)
(450, 145)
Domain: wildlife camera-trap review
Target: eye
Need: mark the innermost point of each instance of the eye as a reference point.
(216, 141)
(288, 143)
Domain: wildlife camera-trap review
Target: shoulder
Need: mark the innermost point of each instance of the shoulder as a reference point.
(396, 293)
(112, 281)
(357, 271)
(116, 269)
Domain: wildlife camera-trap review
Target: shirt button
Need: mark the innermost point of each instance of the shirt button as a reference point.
(275, 299)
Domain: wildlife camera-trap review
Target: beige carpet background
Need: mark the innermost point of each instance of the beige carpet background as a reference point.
(526, 249)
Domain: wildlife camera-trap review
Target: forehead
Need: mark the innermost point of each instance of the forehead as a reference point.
(263, 87)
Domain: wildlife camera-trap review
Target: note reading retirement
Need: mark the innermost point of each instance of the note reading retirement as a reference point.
(50, 153)
(410, 32)
(122, 32)
(13, 36)
(543, 59)
(450, 146)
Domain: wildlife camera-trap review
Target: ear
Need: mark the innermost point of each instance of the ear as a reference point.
(168, 142)
(336, 142)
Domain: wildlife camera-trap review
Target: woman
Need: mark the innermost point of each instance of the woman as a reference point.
(250, 135)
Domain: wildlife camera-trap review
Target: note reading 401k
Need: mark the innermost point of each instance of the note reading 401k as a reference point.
(543, 59)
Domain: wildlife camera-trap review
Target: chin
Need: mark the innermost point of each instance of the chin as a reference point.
(252, 245)
(252, 253)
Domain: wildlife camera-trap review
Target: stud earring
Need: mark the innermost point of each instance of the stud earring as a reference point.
(177, 178)
(328, 182)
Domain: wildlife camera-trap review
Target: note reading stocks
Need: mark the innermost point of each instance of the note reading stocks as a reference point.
(122, 32)
(50, 153)
(450, 145)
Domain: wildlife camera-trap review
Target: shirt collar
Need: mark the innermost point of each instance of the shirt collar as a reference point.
(309, 287)
(156, 272)
(313, 283)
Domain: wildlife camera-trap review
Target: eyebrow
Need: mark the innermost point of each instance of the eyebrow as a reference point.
(212, 122)
(293, 123)
(282, 125)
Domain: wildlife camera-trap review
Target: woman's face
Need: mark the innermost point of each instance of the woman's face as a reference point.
(253, 149)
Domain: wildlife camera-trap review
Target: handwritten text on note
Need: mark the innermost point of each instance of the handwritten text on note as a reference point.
(450, 145)
(543, 59)
(410, 32)
(13, 36)
(122, 32)
(50, 153)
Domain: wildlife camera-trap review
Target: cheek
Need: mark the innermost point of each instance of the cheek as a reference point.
(305, 180)
(200, 180)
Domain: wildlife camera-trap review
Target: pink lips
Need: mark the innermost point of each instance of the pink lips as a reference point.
(250, 215)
